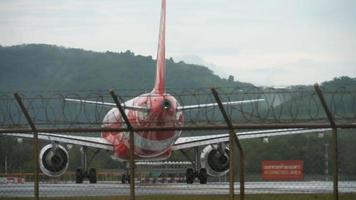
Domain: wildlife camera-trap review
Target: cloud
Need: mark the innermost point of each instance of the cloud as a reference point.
(298, 71)
(243, 38)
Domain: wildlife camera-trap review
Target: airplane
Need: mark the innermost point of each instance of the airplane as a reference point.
(154, 109)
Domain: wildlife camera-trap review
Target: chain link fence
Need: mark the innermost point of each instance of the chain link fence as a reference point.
(294, 166)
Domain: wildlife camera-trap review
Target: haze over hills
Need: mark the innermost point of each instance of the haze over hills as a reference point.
(49, 67)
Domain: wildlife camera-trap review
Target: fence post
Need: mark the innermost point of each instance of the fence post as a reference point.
(35, 144)
(233, 141)
(132, 146)
(334, 141)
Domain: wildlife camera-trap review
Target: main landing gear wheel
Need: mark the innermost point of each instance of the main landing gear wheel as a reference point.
(125, 179)
(203, 176)
(92, 175)
(190, 176)
(80, 175)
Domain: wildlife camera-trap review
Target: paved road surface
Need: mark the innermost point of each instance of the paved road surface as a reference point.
(116, 189)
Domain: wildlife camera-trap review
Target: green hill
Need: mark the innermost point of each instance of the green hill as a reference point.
(49, 67)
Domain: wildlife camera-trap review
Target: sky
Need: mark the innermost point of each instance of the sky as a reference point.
(269, 43)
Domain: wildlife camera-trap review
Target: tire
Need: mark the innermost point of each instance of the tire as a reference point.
(203, 176)
(128, 179)
(92, 175)
(79, 176)
(190, 176)
(123, 179)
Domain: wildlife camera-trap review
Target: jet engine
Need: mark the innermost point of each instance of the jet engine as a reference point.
(54, 160)
(215, 159)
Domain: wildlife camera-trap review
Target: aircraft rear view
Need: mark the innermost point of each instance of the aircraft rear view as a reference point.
(160, 110)
(152, 110)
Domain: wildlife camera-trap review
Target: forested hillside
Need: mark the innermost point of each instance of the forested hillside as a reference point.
(48, 67)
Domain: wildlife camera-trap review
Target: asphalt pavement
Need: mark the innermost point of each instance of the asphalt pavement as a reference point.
(118, 189)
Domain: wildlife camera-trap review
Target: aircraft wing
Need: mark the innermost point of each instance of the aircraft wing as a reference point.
(181, 143)
(95, 142)
(198, 106)
(195, 141)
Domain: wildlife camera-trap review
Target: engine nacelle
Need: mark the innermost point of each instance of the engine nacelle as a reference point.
(216, 163)
(54, 160)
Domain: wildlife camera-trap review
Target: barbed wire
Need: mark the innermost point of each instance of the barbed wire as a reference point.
(286, 105)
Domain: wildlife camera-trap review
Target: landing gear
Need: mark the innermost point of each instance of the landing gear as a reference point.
(92, 175)
(201, 175)
(83, 172)
(125, 178)
(191, 173)
(79, 175)
(190, 176)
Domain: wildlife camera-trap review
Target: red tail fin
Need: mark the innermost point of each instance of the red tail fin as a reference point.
(159, 87)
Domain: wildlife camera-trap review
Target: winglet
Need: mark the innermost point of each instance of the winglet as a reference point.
(159, 87)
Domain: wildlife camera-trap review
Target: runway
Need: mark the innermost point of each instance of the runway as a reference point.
(117, 189)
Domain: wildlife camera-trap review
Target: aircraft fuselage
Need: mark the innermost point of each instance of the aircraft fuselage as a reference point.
(154, 145)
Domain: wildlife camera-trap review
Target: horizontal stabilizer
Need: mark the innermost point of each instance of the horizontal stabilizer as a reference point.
(139, 108)
(198, 106)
